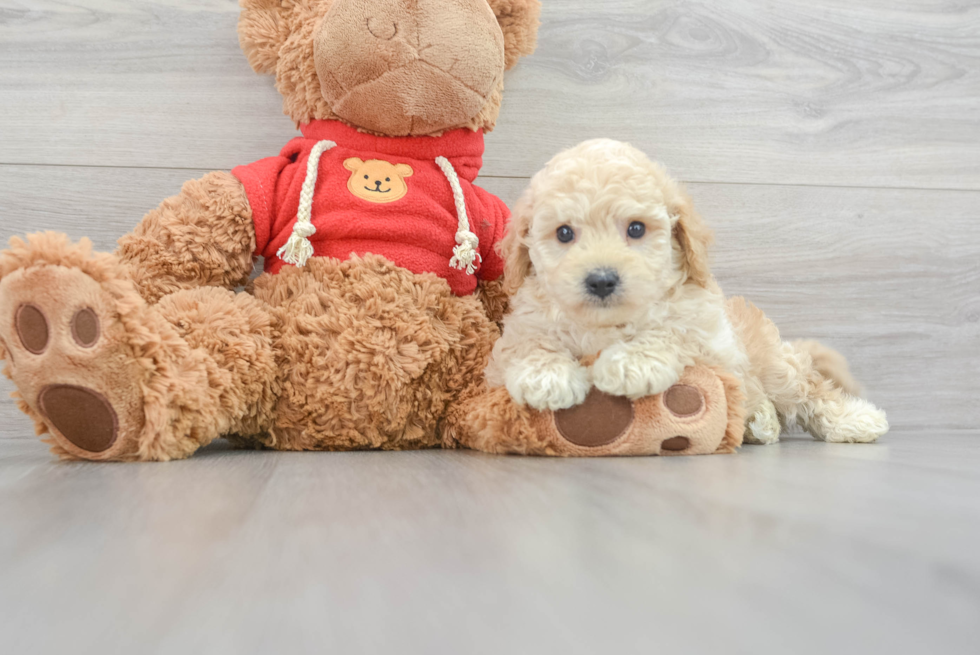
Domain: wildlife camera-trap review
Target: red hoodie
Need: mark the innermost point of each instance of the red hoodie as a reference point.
(381, 195)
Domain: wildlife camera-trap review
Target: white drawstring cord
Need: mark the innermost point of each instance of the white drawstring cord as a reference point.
(465, 254)
(298, 249)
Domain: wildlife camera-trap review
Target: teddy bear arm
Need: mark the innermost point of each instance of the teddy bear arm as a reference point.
(494, 298)
(203, 236)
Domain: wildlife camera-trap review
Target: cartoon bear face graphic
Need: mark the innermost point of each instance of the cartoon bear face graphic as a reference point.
(376, 180)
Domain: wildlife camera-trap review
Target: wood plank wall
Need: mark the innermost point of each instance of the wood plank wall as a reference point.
(834, 146)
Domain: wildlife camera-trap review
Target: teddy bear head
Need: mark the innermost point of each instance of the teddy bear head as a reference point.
(390, 67)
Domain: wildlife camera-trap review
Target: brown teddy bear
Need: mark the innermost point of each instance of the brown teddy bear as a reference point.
(378, 308)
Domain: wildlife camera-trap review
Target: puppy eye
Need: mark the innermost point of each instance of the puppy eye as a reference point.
(636, 230)
(566, 234)
(387, 179)
(366, 177)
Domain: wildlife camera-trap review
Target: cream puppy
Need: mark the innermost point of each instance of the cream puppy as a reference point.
(607, 261)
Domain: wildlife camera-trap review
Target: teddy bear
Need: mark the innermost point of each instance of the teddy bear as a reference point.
(380, 298)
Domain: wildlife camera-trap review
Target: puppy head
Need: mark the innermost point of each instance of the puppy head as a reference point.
(605, 232)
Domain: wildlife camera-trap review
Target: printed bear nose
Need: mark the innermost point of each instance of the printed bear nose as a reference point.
(602, 283)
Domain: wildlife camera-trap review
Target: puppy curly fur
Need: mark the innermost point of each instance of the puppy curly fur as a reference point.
(667, 312)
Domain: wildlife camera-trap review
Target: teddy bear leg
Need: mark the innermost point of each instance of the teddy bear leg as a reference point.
(702, 414)
(112, 378)
(203, 236)
(232, 386)
(490, 421)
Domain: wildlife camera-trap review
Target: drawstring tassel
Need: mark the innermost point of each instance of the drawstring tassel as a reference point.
(466, 254)
(298, 249)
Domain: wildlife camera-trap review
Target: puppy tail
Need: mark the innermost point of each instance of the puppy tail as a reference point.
(806, 381)
(830, 364)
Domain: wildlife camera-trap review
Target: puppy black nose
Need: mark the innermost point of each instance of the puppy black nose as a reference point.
(602, 283)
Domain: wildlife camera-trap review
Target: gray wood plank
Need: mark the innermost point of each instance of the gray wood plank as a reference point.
(804, 92)
(801, 547)
(890, 277)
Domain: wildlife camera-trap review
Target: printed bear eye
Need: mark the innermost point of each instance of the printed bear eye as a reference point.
(636, 230)
(387, 179)
(366, 177)
(566, 234)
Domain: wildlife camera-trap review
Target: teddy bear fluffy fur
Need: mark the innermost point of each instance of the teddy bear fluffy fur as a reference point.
(352, 354)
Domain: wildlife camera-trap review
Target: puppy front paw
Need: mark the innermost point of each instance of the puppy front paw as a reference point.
(620, 372)
(555, 386)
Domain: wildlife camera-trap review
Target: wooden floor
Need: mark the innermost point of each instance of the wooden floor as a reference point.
(800, 548)
(835, 148)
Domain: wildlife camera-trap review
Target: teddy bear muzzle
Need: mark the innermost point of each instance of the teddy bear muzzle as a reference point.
(408, 67)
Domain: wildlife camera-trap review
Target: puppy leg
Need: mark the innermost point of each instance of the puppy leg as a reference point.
(536, 369)
(824, 409)
(839, 418)
(644, 367)
(796, 385)
(547, 380)
(763, 425)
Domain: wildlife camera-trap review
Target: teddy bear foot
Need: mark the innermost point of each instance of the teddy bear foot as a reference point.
(60, 332)
(688, 419)
(700, 415)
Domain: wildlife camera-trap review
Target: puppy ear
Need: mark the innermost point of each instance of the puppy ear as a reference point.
(513, 248)
(519, 20)
(404, 170)
(261, 32)
(694, 239)
(353, 164)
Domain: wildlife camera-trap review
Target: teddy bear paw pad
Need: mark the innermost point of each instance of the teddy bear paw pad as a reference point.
(683, 400)
(32, 328)
(599, 421)
(676, 444)
(82, 416)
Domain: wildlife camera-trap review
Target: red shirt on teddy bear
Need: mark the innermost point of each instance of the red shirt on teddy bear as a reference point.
(382, 195)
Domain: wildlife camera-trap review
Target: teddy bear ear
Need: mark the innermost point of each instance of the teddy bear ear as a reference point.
(519, 20)
(261, 32)
(353, 164)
